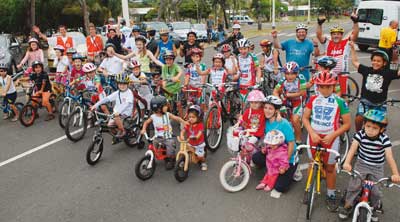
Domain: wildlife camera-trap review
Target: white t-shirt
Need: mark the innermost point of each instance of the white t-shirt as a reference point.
(230, 63)
(123, 102)
(61, 64)
(131, 44)
(3, 83)
(113, 65)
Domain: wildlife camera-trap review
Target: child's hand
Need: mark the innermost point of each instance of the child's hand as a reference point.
(175, 79)
(347, 167)
(315, 137)
(282, 170)
(395, 179)
(142, 132)
(328, 138)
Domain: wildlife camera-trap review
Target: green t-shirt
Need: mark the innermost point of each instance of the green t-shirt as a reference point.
(167, 73)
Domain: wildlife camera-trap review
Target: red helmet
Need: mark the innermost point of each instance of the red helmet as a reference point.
(226, 48)
(196, 51)
(266, 43)
(135, 63)
(325, 78)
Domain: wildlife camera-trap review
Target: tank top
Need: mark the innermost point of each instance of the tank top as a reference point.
(247, 70)
(230, 62)
(3, 83)
(144, 61)
(162, 126)
(194, 76)
(217, 76)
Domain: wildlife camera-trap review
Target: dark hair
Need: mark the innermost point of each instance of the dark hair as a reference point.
(62, 26)
(196, 114)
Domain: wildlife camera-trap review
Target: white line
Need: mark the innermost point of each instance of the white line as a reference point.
(395, 143)
(291, 34)
(12, 159)
(312, 35)
(283, 33)
(394, 90)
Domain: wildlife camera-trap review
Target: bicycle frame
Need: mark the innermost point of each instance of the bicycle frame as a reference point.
(159, 152)
(316, 162)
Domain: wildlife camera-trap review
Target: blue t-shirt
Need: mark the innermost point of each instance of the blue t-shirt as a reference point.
(299, 52)
(164, 47)
(286, 128)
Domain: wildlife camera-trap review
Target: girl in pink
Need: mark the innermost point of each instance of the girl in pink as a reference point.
(277, 159)
(33, 53)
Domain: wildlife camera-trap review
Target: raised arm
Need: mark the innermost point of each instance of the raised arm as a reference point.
(319, 32)
(154, 59)
(354, 58)
(354, 35)
(275, 39)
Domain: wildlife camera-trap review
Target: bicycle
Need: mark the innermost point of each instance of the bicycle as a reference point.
(67, 106)
(313, 184)
(351, 86)
(9, 108)
(363, 211)
(132, 137)
(184, 157)
(268, 83)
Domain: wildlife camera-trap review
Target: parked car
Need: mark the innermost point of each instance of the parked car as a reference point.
(10, 51)
(158, 26)
(241, 19)
(201, 32)
(181, 29)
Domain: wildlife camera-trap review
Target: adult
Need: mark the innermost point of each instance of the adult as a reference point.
(185, 48)
(115, 37)
(210, 27)
(388, 38)
(64, 40)
(221, 31)
(110, 24)
(275, 122)
(299, 49)
(232, 39)
(130, 44)
(94, 44)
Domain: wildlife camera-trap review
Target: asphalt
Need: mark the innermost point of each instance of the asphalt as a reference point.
(55, 183)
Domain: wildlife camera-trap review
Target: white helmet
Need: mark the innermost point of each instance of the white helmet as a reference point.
(236, 26)
(301, 26)
(274, 100)
(274, 137)
(243, 43)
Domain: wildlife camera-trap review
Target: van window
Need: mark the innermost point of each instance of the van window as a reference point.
(373, 16)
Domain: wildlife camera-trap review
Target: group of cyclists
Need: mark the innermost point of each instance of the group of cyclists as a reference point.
(324, 114)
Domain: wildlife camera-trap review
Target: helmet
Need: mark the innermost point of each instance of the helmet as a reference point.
(168, 54)
(141, 38)
(77, 56)
(243, 43)
(33, 40)
(37, 63)
(256, 96)
(135, 28)
(197, 51)
(336, 28)
(122, 78)
(301, 26)
(71, 51)
(291, 67)
(327, 62)
(380, 53)
(274, 137)
(59, 48)
(251, 44)
(191, 33)
(122, 21)
(274, 100)
(226, 48)
(135, 63)
(3, 66)
(195, 108)
(325, 78)
(150, 28)
(236, 26)
(376, 116)
(89, 67)
(163, 31)
(109, 45)
(111, 20)
(266, 43)
(219, 56)
(157, 102)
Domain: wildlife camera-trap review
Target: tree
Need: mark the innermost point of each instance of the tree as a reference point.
(85, 13)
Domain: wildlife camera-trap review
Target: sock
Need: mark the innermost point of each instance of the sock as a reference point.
(330, 192)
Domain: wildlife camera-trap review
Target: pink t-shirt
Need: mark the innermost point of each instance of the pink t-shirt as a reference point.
(31, 56)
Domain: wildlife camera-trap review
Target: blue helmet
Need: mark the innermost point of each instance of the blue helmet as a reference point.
(376, 116)
(291, 67)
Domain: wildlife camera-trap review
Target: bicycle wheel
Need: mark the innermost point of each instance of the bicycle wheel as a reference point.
(27, 115)
(311, 192)
(230, 179)
(344, 146)
(180, 173)
(213, 128)
(76, 126)
(65, 109)
(352, 88)
(142, 169)
(133, 127)
(362, 214)
(94, 151)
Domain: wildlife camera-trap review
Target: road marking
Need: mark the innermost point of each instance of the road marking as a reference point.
(12, 159)
(394, 90)
(281, 34)
(312, 35)
(291, 34)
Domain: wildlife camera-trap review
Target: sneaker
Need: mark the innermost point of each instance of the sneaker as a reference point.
(275, 194)
(5, 116)
(305, 198)
(203, 166)
(297, 175)
(344, 213)
(120, 134)
(374, 217)
(332, 203)
(14, 119)
(260, 186)
(49, 117)
(267, 189)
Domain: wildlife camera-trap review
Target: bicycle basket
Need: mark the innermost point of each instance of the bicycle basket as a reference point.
(233, 141)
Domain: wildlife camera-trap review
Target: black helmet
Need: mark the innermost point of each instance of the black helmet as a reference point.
(109, 45)
(122, 78)
(380, 53)
(327, 62)
(168, 54)
(157, 103)
(123, 21)
(36, 63)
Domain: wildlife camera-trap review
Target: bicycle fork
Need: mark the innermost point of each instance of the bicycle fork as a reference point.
(310, 177)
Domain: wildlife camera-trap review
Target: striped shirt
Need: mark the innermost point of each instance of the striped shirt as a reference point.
(372, 152)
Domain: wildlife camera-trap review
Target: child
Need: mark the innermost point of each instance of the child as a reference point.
(123, 99)
(8, 92)
(276, 160)
(162, 127)
(76, 71)
(171, 74)
(230, 59)
(70, 52)
(194, 132)
(253, 119)
(33, 53)
(164, 45)
(373, 147)
(292, 88)
(375, 83)
(91, 82)
(321, 118)
(325, 63)
(42, 84)
(111, 65)
(218, 73)
(195, 76)
(139, 78)
(269, 59)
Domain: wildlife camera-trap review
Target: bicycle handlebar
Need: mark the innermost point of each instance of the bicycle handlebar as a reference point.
(355, 174)
(318, 148)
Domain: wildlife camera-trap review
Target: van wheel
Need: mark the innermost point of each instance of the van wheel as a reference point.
(363, 48)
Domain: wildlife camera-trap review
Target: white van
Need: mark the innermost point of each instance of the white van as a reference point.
(242, 19)
(374, 15)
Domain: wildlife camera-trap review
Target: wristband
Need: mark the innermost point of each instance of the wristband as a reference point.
(315, 45)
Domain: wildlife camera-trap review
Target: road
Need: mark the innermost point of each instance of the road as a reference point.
(45, 177)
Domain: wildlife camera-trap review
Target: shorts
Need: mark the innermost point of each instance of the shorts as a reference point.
(327, 158)
(366, 105)
(297, 110)
(9, 99)
(169, 145)
(199, 149)
(112, 123)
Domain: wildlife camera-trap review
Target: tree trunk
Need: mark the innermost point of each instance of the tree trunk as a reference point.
(85, 13)
(259, 24)
(33, 12)
(161, 10)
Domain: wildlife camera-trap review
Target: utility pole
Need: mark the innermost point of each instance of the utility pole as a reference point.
(273, 14)
(309, 9)
(125, 11)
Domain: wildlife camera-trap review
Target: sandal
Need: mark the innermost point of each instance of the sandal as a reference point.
(49, 117)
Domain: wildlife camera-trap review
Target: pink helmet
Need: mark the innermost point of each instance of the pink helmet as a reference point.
(89, 67)
(256, 96)
(33, 40)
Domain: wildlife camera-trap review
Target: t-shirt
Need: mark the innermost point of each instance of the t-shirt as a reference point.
(326, 112)
(123, 102)
(292, 87)
(167, 73)
(341, 52)
(299, 52)
(230, 62)
(131, 44)
(286, 128)
(247, 68)
(143, 89)
(193, 130)
(61, 64)
(76, 73)
(113, 65)
(372, 151)
(210, 24)
(375, 83)
(116, 41)
(255, 120)
(162, 125)
(269, 61)
(186, 49)
(3, 83)
(39, 79)
(194, 77)
(218, 76)
(387, 37)
(162, 47)
(89, 84)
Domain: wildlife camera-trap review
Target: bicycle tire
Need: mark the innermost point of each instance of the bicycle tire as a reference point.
(233, 106)
(245, 175)
(213, 126)
(143, 162)
(352, 89)
(180, 173)
(64, 113)
(344, 146)
(98, 152)
(76, 117)
(311, 192)
(30, 112)
(362, 214)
